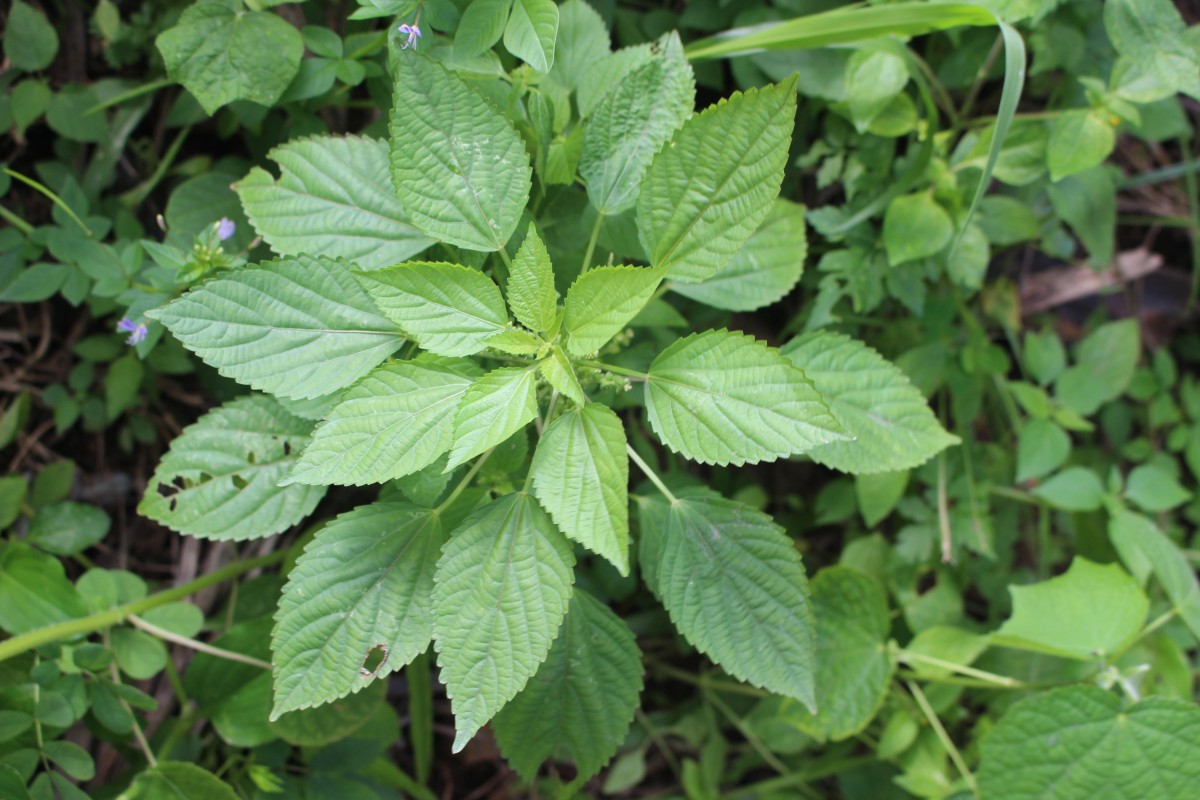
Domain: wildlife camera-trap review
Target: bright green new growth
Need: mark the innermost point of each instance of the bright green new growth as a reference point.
(602, 302)
(495, 407)
(531, 292)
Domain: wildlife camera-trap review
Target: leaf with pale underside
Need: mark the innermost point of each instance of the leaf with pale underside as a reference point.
(602, 302)
(495, 407)
(298, 327)
(531, 32)
(502, 587)
(364, 586)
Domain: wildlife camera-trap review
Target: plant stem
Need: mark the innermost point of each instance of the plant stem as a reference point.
(18, 223)
(628, 373)
(137, 91)
(58, 201)
(943, 737)
(462, 485)
(591, 247)
(909, 657)
(163, 633)
(114, 616)
(649, 473)
(765, 754)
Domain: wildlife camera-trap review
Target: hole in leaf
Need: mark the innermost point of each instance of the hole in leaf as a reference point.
(373, 661)
(171, 505)
(250, 457)
(239, 482)
(287, 448)
(166, 489)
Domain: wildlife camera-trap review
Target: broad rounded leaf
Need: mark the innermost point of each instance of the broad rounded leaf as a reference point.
(726, 398)
(582, 42)
(34, 590)
(220, 479)
(481, 26)
(176, 780)
(495, 407)
(298, 327)
(580, 703)
(460, 168)
(393, 422)
(733, 584)
(363, 589)
(448, 309)
(602, 302)
(531, 31)
(711, 186)
(333, 197)
(873, 401)
(580, 475)
(764, 270)
(1079, 742)
(222, 53)
(502, 588)
(531, 293)
(30, 41)
(915, 226)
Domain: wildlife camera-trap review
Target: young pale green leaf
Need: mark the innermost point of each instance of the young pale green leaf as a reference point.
(734, 586)
(333, 197)
(448, 309)
(580, 703)
(580, 475)
(557, 370)
(853, 665)
(297, 327)
(1157, 58)
(395, 421)
(220, 479)
(1079, 139)
(363, 588)
(1105, 363)
(1088, 612)
(531, 31)
(1073, 489)
(726, 398)
(221, 53)
(709, 189)
(915, 226)
(481, 26)
(873, 401)
(502, 587)
(516, 342)
(632, 123)
(582, 42)
(1138, 540)
(602, 302)
(1154, 489)
(460, 168)
(495, 407)
(1081, 741)
(764, 270)
(531, 293)
(1042, 447)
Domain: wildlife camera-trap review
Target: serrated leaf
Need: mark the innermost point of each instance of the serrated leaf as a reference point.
(764, 270)
(531, 293)
(516, 342)
(1088, 612)
(631, 124)
(333, 197)
(364, 586)
(531, 31)
(1082, 741)
(580, 475)
(873, 401)
(503, 583)
(602, 302)
(481, 26)
(222, 53)
(853, 665)
(579, 704)
(395, 421)
(220, 479)
(710, 188)
(607, 73)
(495, 407)
(734, 586)
(459, 168)
(298, 327)
(448, 309)
(557, 370)
(720, 397)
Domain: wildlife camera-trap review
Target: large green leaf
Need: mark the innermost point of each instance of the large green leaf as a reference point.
(764, 270)
(580, 475)
(220, 52)
(582, 42)
(448, 309)
(363, 588)
(733, 584)
(459, 167)
(34, 590)
(1139, 540)
(580, 703)
(297, 327)
(395, 421)
(495, 407)
(30, 42)
(502, 588)
(873, 401)
(530, 33)
(1088, 612)
(333, 197)
(1157, 57)
(853, 665)
(1083, 742)
(631, 124)
(720, 397)
(531, 292)
(707, 193)
(177, 780)
(481, 26)
(602, 302)
(220, 479)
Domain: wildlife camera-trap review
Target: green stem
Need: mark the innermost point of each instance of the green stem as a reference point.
(462, 485)
(137, 91)
(763, 752)
(649, 473)
(369, 47)
(628, 373)
(115, 616)
(909, 657)
(420, 712)
(58, 201)
(943, 737)
(137, 194)
(1009, 493)
(704, 682)
(591, 248)
(1193, 197)
(201, 647)
(771, 786)
(18, 223)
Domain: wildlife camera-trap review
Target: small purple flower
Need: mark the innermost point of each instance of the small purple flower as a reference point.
(225, 228)
(413, 32)
(136, 330)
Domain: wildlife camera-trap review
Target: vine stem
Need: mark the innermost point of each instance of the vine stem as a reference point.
(650, 473)
(163, 633)
(462, 485)
(943, 737)
(54, 198)
(114, 616)
(591, 248)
